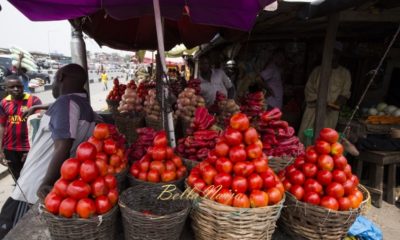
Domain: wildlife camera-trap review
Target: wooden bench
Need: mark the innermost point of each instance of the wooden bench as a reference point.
(378, 160)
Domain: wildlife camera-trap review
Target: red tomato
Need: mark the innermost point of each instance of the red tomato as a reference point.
(297, 191)
(211, 156)
(181, 172)
(135, 169)
(169, 165)
(289, 169)
(311, 185)
(239, 184)
(268, 180)
(250, 136)
(169, 151)
(60, 187)
(67, 207)
(85, 208)
(199, 185)
(261, 164)
(99, 187)
(223, 179)
(115, 160)
(89, 171)
(78, 189)
(225, 197)
(347, 170)
(241, 200)
(144, 165)
(298, 162)
(335, 190)
(142, 176)
(239, 168)
(286, 184)
(111, 181)
(153, 176)
(280, 187)
(255, 182)
(312, 198)
(103, 205)
(239, 121)
(237, 154)
(296, 178)
(259, 198)
(249, 169)
(309, 170)
(101, 131)
(339, 176)
(330, 203)
(113, 196)
(274, 196)
(349, 186)
(311, 155)
(344, 204)
(52, 203)
(102, 167)
(208, 174)
(177, 161)
(191, 179)
(253, 151)
(221, 149)
(168, 176)
(340, 162)
(157, 166)
(86, 151)
(233, 137)
(102, 156)
(110, 146)
(324, 177)
(325, 162)
(160, 140)
(336, 149)
(223, 165)
(329, 135)
(97, 143)
(354, 178)
(70, 169)
(210, 192)
(322, 147)
(159, 153)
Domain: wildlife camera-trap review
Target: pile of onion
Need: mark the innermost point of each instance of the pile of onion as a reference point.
(187, 103)
(151, 106)
(130, 101)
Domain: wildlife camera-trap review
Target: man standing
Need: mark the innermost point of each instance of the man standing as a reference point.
(104, 80)
(14, 142)
(213, 81)
(69, 121)
(338, 93)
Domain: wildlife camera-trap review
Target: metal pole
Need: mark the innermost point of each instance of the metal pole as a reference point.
(78, 52)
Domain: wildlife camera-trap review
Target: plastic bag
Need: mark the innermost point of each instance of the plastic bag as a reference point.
(364, 229)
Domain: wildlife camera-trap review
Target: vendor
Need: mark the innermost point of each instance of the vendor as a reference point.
(338, 93)
(212, 81)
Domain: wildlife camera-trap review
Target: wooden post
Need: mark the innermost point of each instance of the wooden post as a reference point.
(326, 69)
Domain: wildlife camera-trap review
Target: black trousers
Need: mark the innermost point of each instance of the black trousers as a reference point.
(11, 213)
(16, 163)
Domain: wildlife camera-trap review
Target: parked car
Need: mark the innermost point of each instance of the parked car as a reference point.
(44, 76)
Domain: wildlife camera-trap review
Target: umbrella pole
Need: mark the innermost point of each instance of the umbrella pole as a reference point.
(165, 95)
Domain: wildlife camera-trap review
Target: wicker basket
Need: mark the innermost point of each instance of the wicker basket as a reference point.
(113, 106)
(279, 163)
(303, 220)
(128, 126)
(136, 182)
(212, 220)
(101, 227)
(190, 164)
(121, 179)
(168, 222)
(156, 125)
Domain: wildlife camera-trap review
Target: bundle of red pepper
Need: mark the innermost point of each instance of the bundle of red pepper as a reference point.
(277, 136)
(201, 137)
(195, 84)
(253, 104)
(118, 137)
(144, 88)
(144, 140)
(218, 98)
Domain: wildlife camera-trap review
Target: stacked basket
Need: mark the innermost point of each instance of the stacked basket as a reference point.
(128, 126)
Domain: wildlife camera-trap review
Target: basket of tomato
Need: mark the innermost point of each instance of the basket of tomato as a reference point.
(323, 195)
(240, 196)
(150, 213)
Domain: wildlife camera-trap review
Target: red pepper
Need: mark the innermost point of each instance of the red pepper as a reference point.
(290, 141)
(278, 124)
(205, 135)
(273, 114)
(285, 132)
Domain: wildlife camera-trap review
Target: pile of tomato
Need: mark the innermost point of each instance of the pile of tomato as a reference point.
(160, 164)
(322, 176)
(236, 172)
(117, 91)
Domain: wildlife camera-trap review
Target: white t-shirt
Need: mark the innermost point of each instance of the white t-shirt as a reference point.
(219, 82)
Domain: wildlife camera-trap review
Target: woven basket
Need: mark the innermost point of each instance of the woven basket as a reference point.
(190, 164)
(113, 106)
(128, 126)
(303, 220)
(121, 179)
(136, 182)
(279, 163)
(156, 125)
(101, 227)
(212, 220)
(169, 218)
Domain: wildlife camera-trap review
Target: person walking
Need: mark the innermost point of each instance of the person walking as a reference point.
(104, 80)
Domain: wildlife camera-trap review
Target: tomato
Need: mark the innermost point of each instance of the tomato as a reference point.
(85, 208)
(344, 204)
(211, 192)
(169, 165)
(99, 187)
(249, 169)
(289, 169)
(239, 184)
(52, 202)
(70, 169)
(223, 179)
(280, 187)
(336, 149)
(298, 162)
(157, 166)
(324, 177)
(340, 162)
(113, 196)
(286, 184)
(239, 121)
(208, 174)
(110, 146)
(211, 156)
(168, 176)
(142, 176)
(259, 198)
(253, 151)
(144, 165)
(261, 164)
(111, 181)
(101, 131)
(67, 207)
(120, 153)
(191, 179)
(177, 161)
(233, 137)
(354, 178)
(268, 180)
(97, 143)
(224, 165)
(103, 205)
(115, 160)
(322, 147)
(250, 136)
(60, 187)
(312, 198)
(153, 176)
(241, 200)
(199, 185)
(349, 186)
(101, 156)
(255, 182)
(78, 189)
(309, 170)
(89, 171)
(221, 149)
(160, 140)
(274, 196)
(347, 170)
(329, 135)
(169, 151)
(335, 190)
(181, 172)
(159, 153)
(358, 194)
(259, 143)
(86, 151)
(297, 191)
(355, 201)
(239, 168)
(311, 155)
(225, 197)
(311, 185)
(339, 176)
(325, 162)
(102, 167)
(237, 154)
(330, 203)
(110, 170)
(296, 177)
